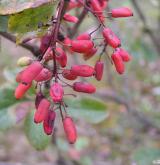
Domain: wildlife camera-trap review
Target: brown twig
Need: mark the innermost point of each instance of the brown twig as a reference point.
(155, 40)
(32, 48)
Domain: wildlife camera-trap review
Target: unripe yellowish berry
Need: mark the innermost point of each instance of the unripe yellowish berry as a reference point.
(24, 61)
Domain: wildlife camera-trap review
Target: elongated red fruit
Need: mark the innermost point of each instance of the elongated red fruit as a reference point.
(121, 12)
(70, 18)
(73, 4)
(111, 38)
(126, 57)
(99, 67)
(31, 72)
(38, 99)
(68, 75)
(56, 92)
(44, 75)
(82, 70)
(41, 112)
(95, 5)
(70, 130)
(18, 77)
(118, 62)
(48, 122)
(90, 53)
(81, 46)
(21, 89)
(84, 87)
(84, 36)
(61, 57)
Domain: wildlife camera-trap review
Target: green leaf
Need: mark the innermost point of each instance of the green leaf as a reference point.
(3, 23)
(92, 110)
(10, 7)
(7, 98)
(35, 133)
(146, 156)
(29, 20)
(7, 118)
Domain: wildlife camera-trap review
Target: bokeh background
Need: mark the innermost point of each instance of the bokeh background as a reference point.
(130, 134)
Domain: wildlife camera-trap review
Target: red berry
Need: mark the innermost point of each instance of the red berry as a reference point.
(68, 75)
(90, 53)
(99, 68)
(118, 62)
(61, 57)
(95, 5)
(56, 92)
(21, 89)
(70, 18)
(31, 72)
(38, 99)
(48, 123)
(44, 75)
(84, 36)
(70, 130)
(121, 12)
(84, 87)
(73, 4)
(18, 77)
(126, 57)
(81, 46)
(111, 38)
(41, 112)
(82, 70)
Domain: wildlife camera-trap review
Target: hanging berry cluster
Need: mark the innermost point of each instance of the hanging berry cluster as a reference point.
(50, 70)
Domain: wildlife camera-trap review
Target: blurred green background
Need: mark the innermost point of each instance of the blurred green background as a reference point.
(126, 132)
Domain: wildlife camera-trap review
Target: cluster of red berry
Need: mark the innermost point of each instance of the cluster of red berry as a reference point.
(44, 72)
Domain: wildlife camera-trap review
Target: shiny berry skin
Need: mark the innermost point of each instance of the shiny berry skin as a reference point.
(18, 77)
(111, 38)
(70, 18)
(121, 12)
(84, 87)
(70, 130)
(81, 46)
(90, 53)
(67, 74)
(82, 70)
(56, 92)
(126, 57)
(118, 62)
(31, 72)
(95, 5)
(48, 122)
(99, 68)
(21, 89)
(44, 75)
(61, 57)
(84, 36)
(41, 112)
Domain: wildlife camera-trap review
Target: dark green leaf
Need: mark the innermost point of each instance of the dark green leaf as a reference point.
(29, 20)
